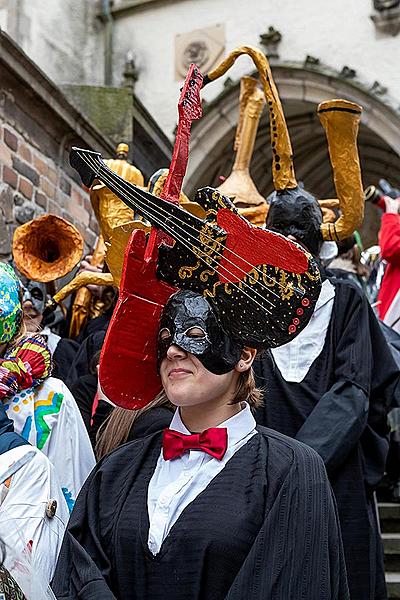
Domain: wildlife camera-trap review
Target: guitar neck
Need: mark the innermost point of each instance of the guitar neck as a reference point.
(162, 214)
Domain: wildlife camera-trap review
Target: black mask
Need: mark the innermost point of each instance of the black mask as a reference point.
(186, 311)
(35, 292)
(296, 212)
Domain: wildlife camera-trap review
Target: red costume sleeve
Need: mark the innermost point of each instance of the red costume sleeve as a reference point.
(389, 239)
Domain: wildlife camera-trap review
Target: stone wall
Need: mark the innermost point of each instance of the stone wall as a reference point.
(32, 184)
(38, 126)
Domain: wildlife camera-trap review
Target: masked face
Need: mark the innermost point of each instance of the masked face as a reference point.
(297, 213)
(189, 322)
(34, 295)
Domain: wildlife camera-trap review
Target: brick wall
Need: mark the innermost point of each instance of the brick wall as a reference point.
(32, 184)
(38, 126)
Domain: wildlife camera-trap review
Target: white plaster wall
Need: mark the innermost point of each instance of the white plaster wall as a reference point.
(66, 40)
(338, 33)
(58, 35)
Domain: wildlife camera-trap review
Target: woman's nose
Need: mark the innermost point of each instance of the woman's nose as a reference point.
(175, 352)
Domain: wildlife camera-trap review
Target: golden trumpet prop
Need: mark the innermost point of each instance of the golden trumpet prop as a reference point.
(239, 186)
(282, 159)
(116, 222)
(340, 119)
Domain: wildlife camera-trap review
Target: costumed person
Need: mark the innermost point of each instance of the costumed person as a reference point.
(41, 407)
(388, 304)
(201, 506)
(44, 250)
(33, 515)
(329, 387)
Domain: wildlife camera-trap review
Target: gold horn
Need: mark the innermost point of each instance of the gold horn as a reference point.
(282, 161)
(46, 248)
(340, 119)
(239, 186)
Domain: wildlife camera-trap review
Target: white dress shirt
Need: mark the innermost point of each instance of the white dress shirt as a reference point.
(295, 358)
(176, 483)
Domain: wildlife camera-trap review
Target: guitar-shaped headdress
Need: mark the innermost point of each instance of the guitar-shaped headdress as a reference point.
(262, 287)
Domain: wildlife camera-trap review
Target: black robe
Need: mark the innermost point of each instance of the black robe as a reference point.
(264, 528)
(339, 409)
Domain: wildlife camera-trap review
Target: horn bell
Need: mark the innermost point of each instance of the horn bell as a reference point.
(340, 119)
(47, 248)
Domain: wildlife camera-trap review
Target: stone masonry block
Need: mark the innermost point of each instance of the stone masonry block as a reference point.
(5, 236)
(6, 202)
(40, 165)
(65, 186)
(77, 212)
(25, 187)
(47, 188)
(5, 155)
(41, 200)
(52, 174)
(10, 139)
(25, 153)
(25, 170)
(54, 209)
(10, 176)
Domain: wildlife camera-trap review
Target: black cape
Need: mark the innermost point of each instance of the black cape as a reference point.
(340, 410)
(291, 535)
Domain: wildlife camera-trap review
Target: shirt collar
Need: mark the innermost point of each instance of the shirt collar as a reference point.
(239, 426)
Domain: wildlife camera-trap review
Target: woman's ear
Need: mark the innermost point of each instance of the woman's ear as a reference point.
(246, 359)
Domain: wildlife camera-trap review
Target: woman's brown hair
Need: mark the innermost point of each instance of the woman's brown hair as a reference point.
(115, 430)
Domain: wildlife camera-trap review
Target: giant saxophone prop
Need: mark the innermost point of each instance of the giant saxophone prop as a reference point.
(239, 186)
(340, 119)
(116, 222)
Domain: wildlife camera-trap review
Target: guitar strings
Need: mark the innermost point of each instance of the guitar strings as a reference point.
(185, 245)
(170, 231)
(179, 220)
(181, 240)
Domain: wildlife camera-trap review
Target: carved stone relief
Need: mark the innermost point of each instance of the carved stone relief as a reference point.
(205, 47)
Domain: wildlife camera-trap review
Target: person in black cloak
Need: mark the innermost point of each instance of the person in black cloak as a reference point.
(331, 386)
(195, 515)
(214, 507)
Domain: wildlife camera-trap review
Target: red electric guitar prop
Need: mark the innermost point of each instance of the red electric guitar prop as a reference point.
(256, 279)
(128, 374)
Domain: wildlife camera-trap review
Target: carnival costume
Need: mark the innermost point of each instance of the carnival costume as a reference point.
(40, 407)
(330, 386)
(193, 516)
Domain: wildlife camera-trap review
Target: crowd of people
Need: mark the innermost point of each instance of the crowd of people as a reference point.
(237, 452)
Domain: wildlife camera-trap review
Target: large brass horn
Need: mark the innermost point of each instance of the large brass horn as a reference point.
(46, 248)
(340, 119)
(239, 186)
(282, 159)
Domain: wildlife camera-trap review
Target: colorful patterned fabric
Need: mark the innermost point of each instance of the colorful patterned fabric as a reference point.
(9, 589)
(10, 305)
(25, 365)
(48, 417)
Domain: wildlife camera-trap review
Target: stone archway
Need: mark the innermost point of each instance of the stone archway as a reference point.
(300, 90)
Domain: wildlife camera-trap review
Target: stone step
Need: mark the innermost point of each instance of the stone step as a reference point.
(393, 585)
(389, 516)
(391, 545)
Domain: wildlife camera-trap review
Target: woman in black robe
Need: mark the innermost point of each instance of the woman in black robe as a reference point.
(233, 511)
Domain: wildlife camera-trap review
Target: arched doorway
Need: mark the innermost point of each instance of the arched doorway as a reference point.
(301, 90)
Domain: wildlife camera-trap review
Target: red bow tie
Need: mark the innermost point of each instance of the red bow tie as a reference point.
(214, 441)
